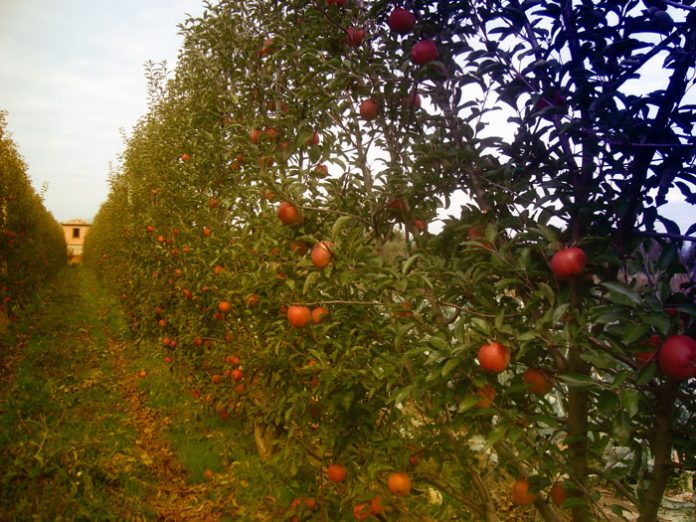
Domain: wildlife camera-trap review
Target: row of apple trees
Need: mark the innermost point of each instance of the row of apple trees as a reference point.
(32, 246)
(412, 246)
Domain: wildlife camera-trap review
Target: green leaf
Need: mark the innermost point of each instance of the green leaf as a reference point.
(630, 400)
(496, 435)
(403, 393)
(468, 403)
(526, 336)
(508, 281)
(559, 312)
(409, 262)
(635, 331)
(347, 399)
(338, 225)
(646, 374)
(660, 322)
(309, 281)
(621, 377)
(546, 291)
(577, 380)
(450, 365)
(610, 314)
(499, 318)
(599, 359)
(439, 343)
(621, 294)
(669, 256)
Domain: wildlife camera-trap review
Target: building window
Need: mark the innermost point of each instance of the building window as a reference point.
(76, 233)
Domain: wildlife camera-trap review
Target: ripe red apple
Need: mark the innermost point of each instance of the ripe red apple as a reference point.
(298, 316)
(558, 493)
(401, 21)
(321, 254)
(319, 314)
(521, 494)
(643, 358)
(369, 110)
(411, 101)
(336, 472)
(399, 484)
(537, 382)
(420, 225)
(255, 135)
(361, 511)
(288, 214)
(423, 52)
(354, 36)
(493, 357)
(376, 507)
(568, 262)
(677, 357)
(487, 394)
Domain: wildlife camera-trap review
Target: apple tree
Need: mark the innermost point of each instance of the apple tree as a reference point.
(411, 244)
(32, 245)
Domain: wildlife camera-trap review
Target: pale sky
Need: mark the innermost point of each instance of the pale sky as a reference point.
(72, 76)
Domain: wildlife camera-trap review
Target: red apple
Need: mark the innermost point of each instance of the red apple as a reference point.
(423, 52)
(494, 357)
(677, 357)
(420, 225)
(354, 36)
(288, 213)
(411, 101)
(313, 139)
(401, 21)
(369, 110)
(568, 262)
(643, 358)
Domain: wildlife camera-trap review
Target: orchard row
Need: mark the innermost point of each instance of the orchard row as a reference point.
(278, 224)
(32, 246)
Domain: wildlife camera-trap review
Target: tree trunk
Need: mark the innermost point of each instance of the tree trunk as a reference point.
(662, 450)
(263, 435)
(546, 511)
(577, 437)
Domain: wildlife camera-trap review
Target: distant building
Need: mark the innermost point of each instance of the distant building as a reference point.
(75, 231)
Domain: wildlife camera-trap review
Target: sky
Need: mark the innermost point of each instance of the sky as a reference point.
(73, 79)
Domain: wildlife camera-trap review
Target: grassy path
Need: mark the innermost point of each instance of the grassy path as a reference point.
(86, 435)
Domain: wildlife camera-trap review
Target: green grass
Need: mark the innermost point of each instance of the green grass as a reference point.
(201, 440)
(69, 442)
(64, 435)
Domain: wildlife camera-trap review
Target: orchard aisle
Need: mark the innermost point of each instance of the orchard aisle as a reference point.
(92, 428)
(77, 437)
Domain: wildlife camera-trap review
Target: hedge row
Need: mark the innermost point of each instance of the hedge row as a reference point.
(32, 244)
(278, 223)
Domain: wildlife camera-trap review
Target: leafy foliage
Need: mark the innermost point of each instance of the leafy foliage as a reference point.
(390, 381)
(32, 245)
